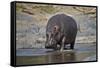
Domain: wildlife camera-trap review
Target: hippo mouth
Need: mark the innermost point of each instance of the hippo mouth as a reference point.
(52, 47)
(49, 47)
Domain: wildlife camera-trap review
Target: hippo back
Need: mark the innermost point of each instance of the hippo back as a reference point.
(66, 23)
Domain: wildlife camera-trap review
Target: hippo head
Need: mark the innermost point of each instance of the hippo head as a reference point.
(53, 38)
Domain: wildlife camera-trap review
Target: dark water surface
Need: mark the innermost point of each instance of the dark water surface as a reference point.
(82, 52)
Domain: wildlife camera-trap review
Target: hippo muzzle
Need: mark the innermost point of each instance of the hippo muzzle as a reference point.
(51, 44)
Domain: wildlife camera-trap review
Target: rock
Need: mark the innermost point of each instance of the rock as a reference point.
(86, 39)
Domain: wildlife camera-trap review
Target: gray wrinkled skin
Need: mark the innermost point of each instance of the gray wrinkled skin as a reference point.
(61, 30)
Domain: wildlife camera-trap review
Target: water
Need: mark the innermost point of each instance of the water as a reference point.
(82, 52)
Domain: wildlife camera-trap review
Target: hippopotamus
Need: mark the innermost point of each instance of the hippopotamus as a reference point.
(61, 30)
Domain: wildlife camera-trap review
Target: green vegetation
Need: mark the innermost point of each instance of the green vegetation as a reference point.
(19, 7)
(42, 9)
(48, 9)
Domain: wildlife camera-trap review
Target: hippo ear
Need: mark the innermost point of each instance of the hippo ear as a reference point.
(56, 28)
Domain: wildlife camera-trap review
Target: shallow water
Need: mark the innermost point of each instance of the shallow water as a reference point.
(82, 52)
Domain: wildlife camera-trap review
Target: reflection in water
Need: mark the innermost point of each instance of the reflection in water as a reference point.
(86, 52)
(58, 57)
(50, 57)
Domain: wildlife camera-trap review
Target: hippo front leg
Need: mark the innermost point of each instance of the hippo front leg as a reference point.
(62, 44)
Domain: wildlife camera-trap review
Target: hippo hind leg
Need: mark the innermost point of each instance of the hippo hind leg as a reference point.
(72, 45)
